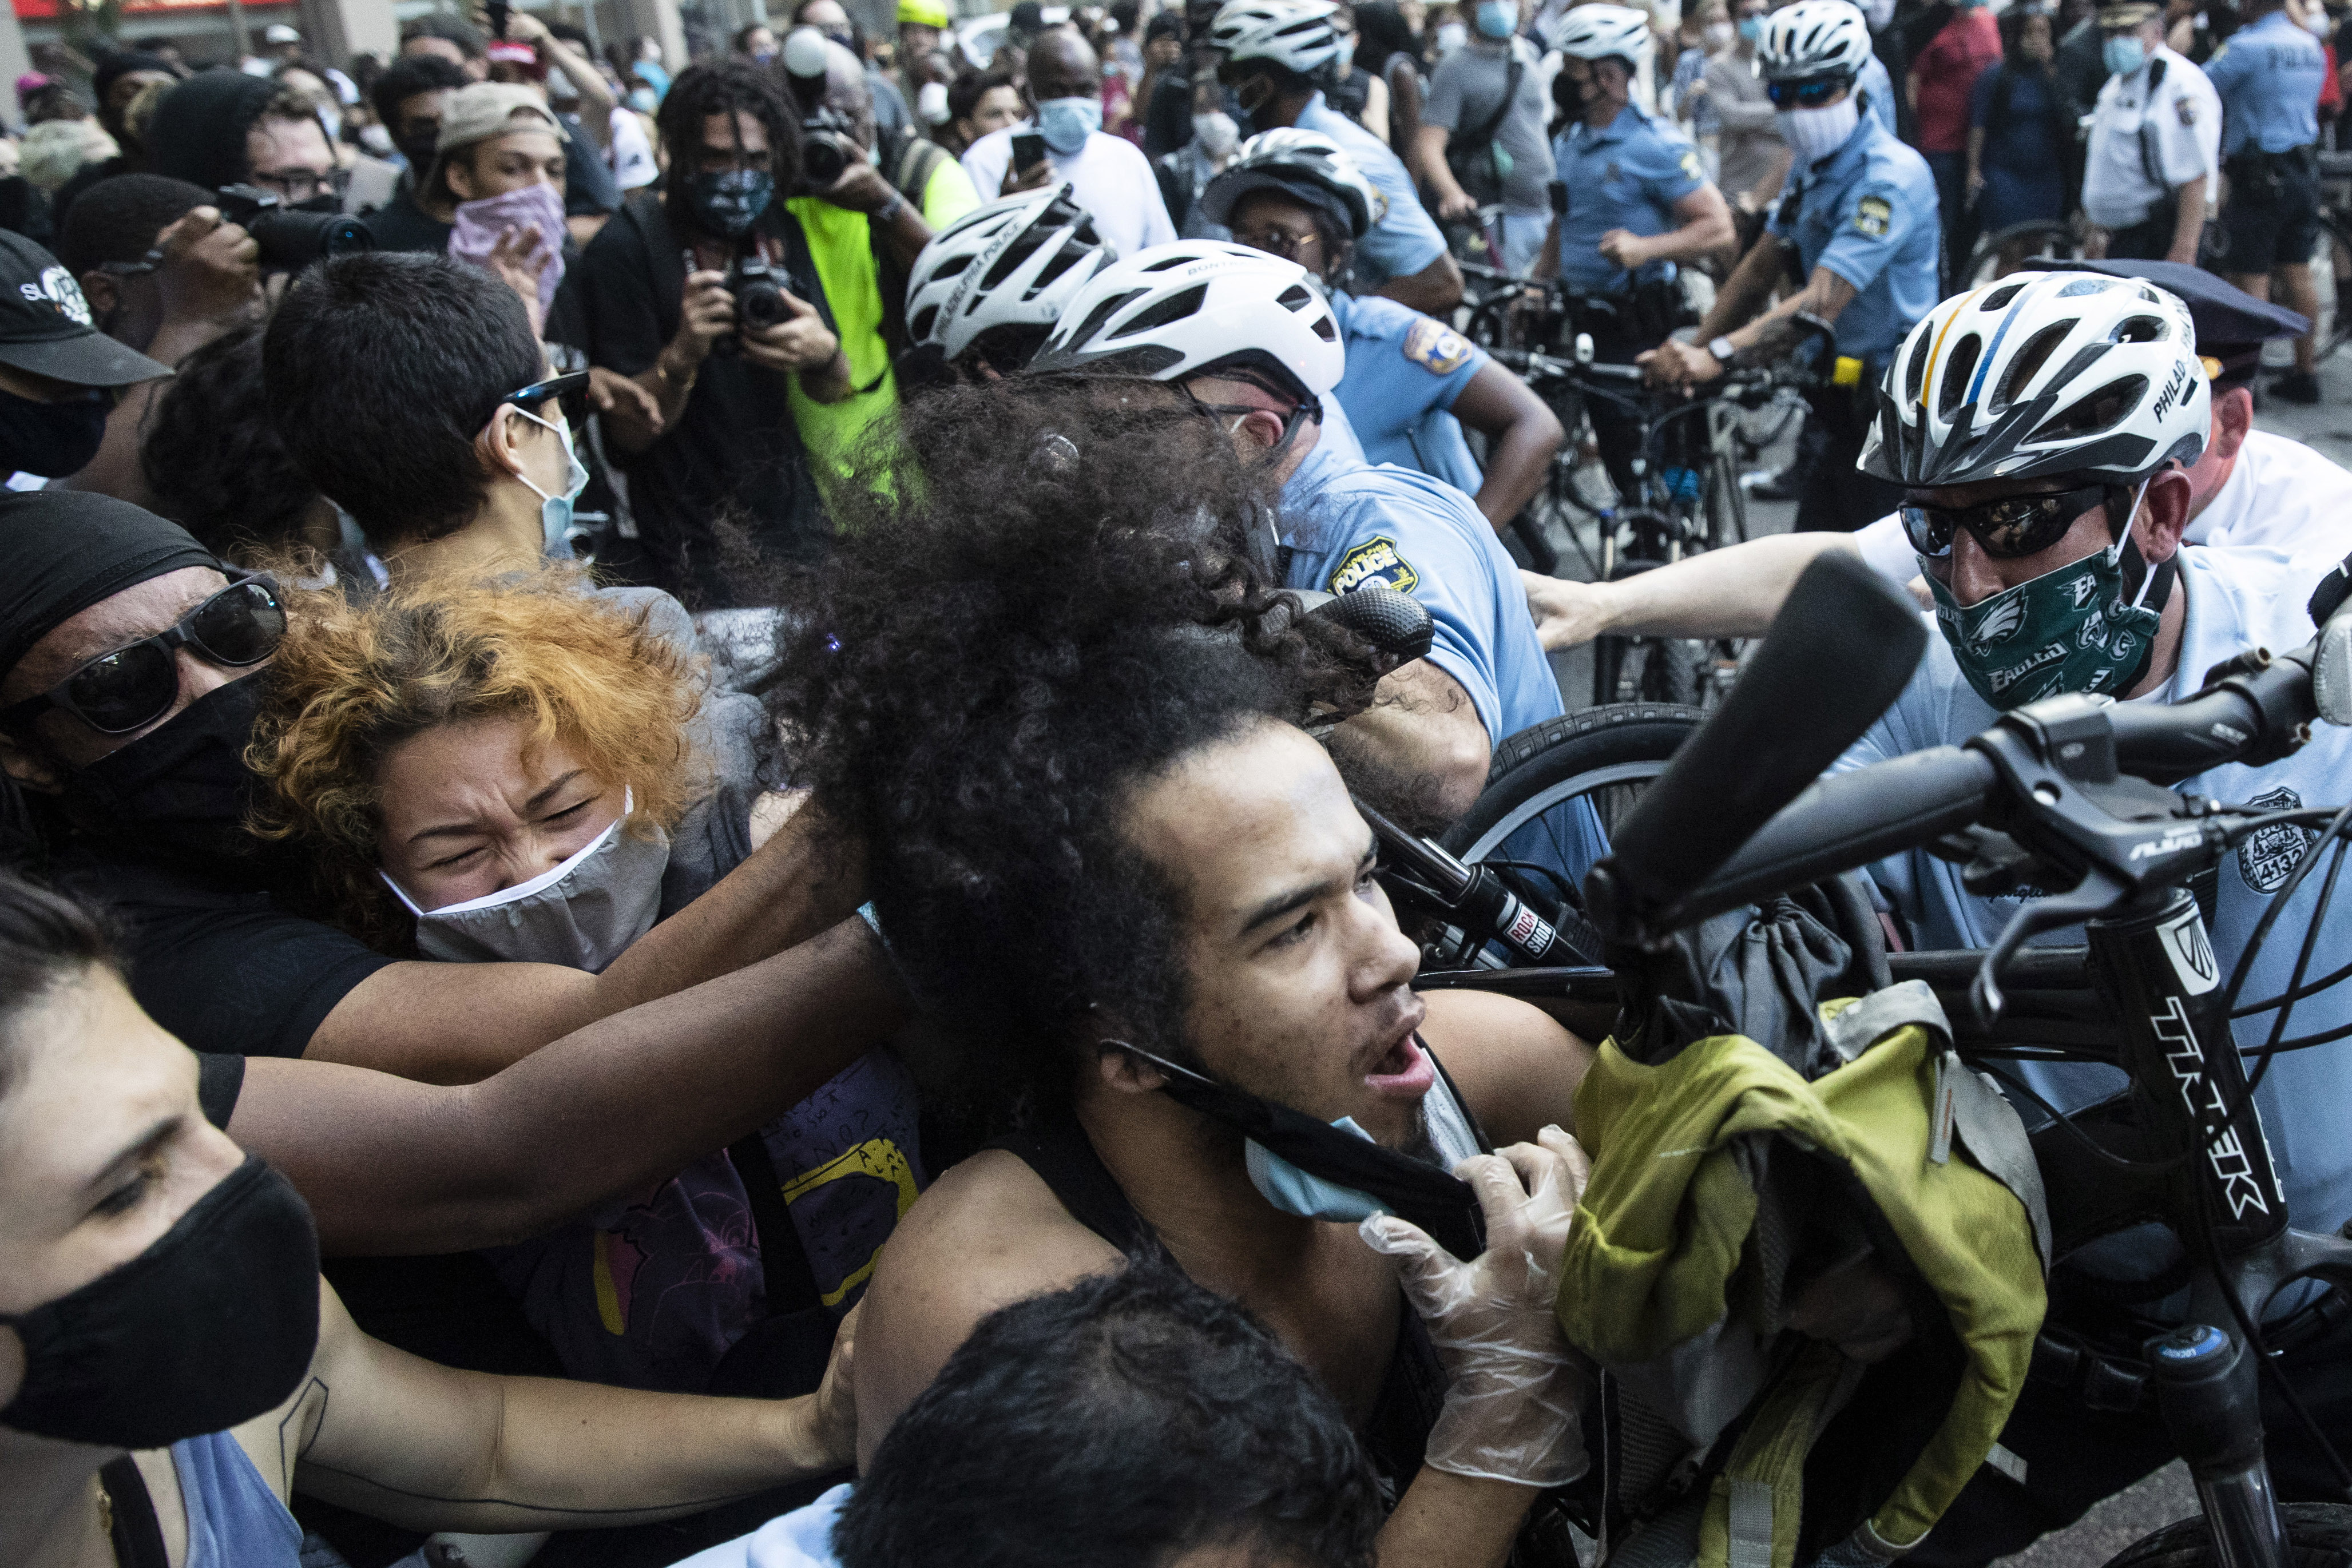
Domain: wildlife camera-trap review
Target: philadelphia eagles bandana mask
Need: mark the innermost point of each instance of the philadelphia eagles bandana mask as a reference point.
(2078, 629)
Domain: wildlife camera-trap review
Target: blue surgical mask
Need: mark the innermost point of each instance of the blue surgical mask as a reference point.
(555, 511)
(1066, 122)
(643, 100)
(1751, 28)
(2123, 53)
(1498, 19)
(1293, 1191)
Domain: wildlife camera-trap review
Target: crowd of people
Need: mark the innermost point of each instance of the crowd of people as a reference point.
(680, 880)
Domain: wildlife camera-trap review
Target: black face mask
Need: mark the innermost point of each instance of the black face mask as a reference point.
(212, 1325)
(182, 790)
(51, 439)
(728, 204)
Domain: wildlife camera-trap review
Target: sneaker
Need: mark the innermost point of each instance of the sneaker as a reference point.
(2297, 386)
(1770, 483)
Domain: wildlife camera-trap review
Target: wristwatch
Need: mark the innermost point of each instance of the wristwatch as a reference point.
(1722, 349)
(889, 212)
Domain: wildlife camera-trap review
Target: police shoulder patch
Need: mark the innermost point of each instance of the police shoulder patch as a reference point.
(1691, 166)
(1374, 561)
(2185, 106)
(1437, 348)
(1871, 216)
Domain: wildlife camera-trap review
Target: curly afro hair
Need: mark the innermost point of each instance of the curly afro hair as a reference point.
(998, 654)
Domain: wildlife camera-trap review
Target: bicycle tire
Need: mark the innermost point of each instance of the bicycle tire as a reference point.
(1597, 747)
(1986, 252)
(2318, 1535)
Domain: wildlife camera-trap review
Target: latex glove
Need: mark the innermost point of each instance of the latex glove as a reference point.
(1514, 1392)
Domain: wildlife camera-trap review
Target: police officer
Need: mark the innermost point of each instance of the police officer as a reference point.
(1636, 202)
(2268, 77)
(1411, 383)
(1251, 342)
(2156, 136)
(1858, 223)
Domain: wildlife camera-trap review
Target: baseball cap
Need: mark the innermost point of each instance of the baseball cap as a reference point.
(924, 13)
(46, 328)
(488, 109)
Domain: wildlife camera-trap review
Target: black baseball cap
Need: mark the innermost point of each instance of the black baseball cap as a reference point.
(45, 324)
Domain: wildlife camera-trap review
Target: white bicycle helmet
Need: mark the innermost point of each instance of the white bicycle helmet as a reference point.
(1814, 38)
(1012, 263)
(2043, 372)
(1297, 35)
(1179, 310)
(1603, 32)
(1304, 163)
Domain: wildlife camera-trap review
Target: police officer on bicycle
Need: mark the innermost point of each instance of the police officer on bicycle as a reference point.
(1858, 225)
(1632, 201)
(2269, 76)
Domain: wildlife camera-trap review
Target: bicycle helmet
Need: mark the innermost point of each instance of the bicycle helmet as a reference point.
(1302, 163)
(1814, 38)
(1603, 32)
(2043, 372)
(1296, 34)
(1196, 306)
(1012, 263)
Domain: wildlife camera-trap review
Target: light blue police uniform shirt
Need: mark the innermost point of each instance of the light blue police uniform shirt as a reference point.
(2237, 599)
(1404, 369)
(1867, 212)
(1878, 90)
(2269, 78)
(1628, 176)
(1405, 239)
(801, 1539)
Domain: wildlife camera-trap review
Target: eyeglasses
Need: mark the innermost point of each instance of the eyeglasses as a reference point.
(1806, 94)
(529, 398)
(298, 186)
(1276, 242)
(131, 687)
(2009, 528)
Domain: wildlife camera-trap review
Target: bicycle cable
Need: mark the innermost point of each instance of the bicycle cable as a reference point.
(2279, 1379)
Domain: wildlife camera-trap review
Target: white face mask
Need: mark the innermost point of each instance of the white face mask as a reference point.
(582, 914)
(1813, 135)
(1717, 37)
(1216, 132)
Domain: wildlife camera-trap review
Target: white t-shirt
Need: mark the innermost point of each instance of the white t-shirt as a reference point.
(2236, 599)
(2184, 118)
(1109, 176)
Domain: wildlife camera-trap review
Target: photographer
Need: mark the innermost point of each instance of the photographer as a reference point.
(722, 381)
(224, 128)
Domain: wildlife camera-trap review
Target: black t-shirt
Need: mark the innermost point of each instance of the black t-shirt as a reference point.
(401, 225)
(1168, 118)
(219, 1081)
(734, 449)
(224, 966)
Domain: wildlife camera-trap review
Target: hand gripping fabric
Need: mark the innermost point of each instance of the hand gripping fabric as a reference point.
(1012, 263)
(1296, 34)
(1179, 310)
(2042, 373)
(1814, 38)
(1724, 1182)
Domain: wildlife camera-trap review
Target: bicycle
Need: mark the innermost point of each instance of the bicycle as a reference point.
(2034, 240)
(2068, 785)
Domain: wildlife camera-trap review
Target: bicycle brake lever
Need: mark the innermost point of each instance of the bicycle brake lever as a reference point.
(2095, 894)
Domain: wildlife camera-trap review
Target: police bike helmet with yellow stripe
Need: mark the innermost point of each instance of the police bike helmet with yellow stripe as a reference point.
(1296, 34)
(1199, 307)
(1305, 165)
(1813, 39)
(1012, 263)
(2042, 373)
(1603, 32)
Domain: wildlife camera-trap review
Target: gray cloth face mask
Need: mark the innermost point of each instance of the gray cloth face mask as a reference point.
(582, 914)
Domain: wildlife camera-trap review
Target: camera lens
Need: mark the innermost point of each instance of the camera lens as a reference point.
(824, 158)
(760, 304)
(290, 241)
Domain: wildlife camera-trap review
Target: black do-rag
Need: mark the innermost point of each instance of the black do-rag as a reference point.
(61, 551)
(198, 131)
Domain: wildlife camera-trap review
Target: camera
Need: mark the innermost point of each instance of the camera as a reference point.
(758, 289)
(290, 238)
(827, 151)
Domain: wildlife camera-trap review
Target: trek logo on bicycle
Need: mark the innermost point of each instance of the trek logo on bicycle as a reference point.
(1374, 561)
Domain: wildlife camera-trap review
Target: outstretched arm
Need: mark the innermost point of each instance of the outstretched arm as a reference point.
(1732, 593)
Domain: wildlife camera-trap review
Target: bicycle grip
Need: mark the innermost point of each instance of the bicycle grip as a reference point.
(1849, 820)
(1838, 653)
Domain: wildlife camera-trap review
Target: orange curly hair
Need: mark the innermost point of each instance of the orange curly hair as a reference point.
(351, 682)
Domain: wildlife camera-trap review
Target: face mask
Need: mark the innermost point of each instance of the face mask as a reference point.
(1451, 36)
(1814, 133)
(51, 439)
(844, 37)
(582, 914)
(728, 204)
(2123, 55)
(418, 150)
(555, 511)
(1293, 1191)
(2065, 630)
(931, 103)
(212, 1325)
(643, 100)
(1066, 122)
(478, 226)
(763, 55)
(1717, 35)
(1216, 133)
(180, 791)
(1498, 19)
(1751, 28)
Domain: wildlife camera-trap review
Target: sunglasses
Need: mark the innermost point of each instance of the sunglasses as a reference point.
(529, 398)
(1805, 94)
(131, 687)
(1277, 242)
(2009, 528)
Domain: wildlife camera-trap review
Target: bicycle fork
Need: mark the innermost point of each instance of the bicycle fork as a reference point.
(2164, 981)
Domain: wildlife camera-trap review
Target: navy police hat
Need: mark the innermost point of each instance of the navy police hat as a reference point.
(2231, 324)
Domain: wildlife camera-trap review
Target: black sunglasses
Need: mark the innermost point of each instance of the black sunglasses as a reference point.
(133, 686)
(2009, 528)
(1805, 94)
(529, 398)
